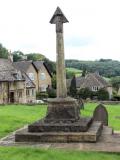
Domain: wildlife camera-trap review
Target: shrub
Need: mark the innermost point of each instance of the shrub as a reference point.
(51, 92)
(103, 94)
(84, 93)
(41, 95)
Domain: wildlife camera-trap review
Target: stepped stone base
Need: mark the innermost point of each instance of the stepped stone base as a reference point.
(80, 125)
(91, 135)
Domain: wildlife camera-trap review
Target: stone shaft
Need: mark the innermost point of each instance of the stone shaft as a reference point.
(61, 74)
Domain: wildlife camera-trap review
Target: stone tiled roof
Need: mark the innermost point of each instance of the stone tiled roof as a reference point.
(90, 80)
(22, 65)
(8, 72)
(93, 79)
(40, 64)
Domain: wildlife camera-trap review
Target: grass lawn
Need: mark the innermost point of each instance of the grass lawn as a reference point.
(16, 116)
(19, 153)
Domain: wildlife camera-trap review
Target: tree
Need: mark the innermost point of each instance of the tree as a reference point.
(54, 81)
(84, 72)
(51, 65)
(3, 52)
(115, 81)
(17, 56)
(35, 56)
(73, 89)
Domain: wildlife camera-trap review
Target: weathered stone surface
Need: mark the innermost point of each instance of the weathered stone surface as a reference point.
(101, 114)
(81, 125)
(61, 137)
(62, 109)
(58, 18)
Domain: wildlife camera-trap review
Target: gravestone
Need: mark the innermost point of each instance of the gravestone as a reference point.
(101, 114)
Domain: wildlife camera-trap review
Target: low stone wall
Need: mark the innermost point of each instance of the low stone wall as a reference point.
(105, 102)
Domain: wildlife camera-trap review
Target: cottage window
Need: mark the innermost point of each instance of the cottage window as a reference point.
(20, 94)
(31, 76)
(27, 92)
(33, 93)
(95, 88)
(42, 76)
(43, 88)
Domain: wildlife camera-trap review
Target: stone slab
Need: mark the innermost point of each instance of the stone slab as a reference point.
(80, 125)
(91, 135)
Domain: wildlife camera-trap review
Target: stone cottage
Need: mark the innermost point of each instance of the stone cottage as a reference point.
(37, 71)
(12, 84)
(15, 86)
(93, 81)
(44, 76)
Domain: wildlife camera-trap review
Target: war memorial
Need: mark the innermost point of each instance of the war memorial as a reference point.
(63, 122)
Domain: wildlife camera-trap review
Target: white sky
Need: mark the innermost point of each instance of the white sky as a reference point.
(93, 31)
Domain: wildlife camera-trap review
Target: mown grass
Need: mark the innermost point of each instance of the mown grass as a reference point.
(25, 153)
(13, 117)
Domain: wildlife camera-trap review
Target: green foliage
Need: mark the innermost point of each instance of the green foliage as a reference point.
(102, 94)
(3, 52)
(35, 56)
(84, 72)
(33, 153)
(51, 65)
(84, 93)
(70, 72)
(107, 68)
(17, 56)
(73, 89)
(51, 92)
(54, 84)
(115, 81)
(41, 95)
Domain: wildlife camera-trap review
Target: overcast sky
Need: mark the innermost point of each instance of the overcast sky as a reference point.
(93, 31)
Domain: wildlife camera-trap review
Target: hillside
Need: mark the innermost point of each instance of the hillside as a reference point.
(105, 67)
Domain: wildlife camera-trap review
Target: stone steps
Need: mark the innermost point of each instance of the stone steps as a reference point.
(91, 135)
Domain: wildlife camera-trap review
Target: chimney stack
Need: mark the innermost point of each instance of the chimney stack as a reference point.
(10, 56)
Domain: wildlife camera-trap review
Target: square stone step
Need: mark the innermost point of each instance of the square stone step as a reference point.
(80, 125)
(91, 135)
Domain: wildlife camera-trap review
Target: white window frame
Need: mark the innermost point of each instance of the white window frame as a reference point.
(42, 76)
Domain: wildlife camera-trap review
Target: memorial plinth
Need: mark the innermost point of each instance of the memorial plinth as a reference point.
(63, 122)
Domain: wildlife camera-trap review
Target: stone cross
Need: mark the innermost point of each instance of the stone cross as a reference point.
(58, 18)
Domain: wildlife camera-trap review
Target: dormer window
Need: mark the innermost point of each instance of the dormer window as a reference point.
(17, 76)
